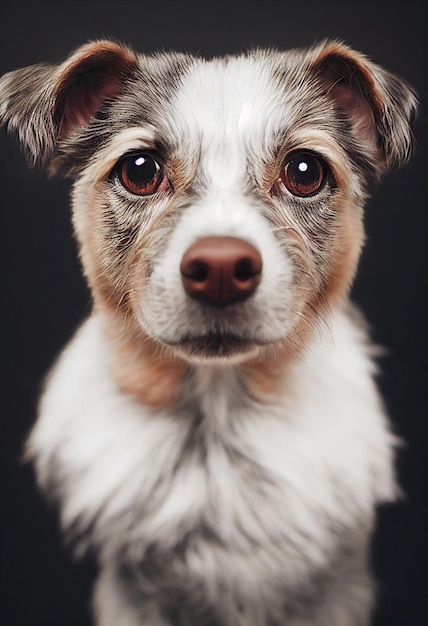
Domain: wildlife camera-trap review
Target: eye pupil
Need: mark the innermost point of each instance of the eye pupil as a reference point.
(303, 174)
(140, 174)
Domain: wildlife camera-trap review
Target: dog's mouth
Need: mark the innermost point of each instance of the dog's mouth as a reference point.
(216, 345)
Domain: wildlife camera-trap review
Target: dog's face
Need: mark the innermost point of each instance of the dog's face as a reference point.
(217, 204)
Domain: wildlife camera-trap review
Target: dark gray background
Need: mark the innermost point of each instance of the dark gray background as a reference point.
(44, 297)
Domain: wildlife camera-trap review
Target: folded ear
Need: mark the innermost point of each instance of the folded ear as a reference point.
(379, 105)
(44, 104)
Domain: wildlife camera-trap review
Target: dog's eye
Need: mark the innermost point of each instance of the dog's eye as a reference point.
(140, 174)
(304, 174)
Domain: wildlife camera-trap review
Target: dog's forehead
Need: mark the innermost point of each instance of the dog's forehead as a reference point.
(242, 102)
(227, 110)
(228, 96)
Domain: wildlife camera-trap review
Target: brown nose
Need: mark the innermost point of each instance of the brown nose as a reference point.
(221, 270)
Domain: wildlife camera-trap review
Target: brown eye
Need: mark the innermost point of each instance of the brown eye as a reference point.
(140, 174)
(304, 174)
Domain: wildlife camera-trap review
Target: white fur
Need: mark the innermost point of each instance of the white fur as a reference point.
(326, 444)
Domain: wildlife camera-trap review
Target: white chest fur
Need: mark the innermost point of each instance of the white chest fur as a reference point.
(292, 473)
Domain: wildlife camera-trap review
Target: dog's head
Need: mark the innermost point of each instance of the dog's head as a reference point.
(217, 204)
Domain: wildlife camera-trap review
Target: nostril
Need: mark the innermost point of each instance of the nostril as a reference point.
(196, 270)
(245, 270)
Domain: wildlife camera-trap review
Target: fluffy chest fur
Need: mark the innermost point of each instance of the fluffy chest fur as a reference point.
(221, 478)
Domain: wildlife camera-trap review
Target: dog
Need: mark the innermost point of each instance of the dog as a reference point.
(213, 431)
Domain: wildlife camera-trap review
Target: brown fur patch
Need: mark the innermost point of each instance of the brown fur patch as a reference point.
(142, 368)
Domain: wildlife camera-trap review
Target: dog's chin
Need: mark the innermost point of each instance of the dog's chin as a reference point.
(216, 346)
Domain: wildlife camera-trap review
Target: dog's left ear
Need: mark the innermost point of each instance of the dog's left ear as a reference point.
(378, 104)
(44, 104)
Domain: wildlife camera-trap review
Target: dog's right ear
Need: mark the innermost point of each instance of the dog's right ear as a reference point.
(44, 104)
(379, 105)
